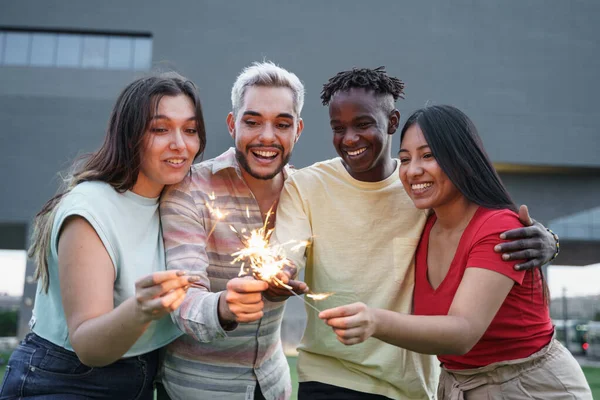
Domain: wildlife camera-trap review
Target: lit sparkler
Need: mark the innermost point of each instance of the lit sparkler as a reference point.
(318, 296)
(265, 262)
(258, 258)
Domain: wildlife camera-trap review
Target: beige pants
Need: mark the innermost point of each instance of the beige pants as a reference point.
(551, 373)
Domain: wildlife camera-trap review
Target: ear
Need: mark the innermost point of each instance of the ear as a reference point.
(393, 122)
(299, 130)
(231, 124)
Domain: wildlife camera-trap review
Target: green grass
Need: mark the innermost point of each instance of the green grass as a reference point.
(5, 357)
(593, 377)
(292, 362)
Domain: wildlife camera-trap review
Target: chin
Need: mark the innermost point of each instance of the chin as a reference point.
(172, 180)
(265, 173)
(422, 205)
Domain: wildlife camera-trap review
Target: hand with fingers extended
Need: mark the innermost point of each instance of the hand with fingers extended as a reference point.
(160, 293)
(276, 292)
(242, 301)
(533, 243)
(353, 323)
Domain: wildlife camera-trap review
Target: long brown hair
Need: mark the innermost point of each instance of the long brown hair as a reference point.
(458, 149)
(118, 160)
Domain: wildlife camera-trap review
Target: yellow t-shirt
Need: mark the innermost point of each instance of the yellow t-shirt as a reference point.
(364, 236)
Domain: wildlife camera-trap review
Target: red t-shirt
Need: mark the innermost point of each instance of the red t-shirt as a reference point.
(521, 327)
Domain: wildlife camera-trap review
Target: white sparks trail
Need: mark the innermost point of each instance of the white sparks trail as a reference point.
(305, 302)
(258, 258)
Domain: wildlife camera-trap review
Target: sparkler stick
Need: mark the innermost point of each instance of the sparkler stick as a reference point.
(305, 302)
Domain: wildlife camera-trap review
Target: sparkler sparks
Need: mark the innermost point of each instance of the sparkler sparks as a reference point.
(318, 296)
(215, 212)
(258, 258)
(264, 262)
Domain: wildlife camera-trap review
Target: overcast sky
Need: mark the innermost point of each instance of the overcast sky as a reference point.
(12, 271)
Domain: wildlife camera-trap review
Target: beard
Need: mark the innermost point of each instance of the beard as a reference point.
(242, 159)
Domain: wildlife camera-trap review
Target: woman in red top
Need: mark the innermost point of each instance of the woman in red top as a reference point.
(488, 323)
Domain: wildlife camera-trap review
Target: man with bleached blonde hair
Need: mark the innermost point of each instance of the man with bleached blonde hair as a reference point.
(231, 348)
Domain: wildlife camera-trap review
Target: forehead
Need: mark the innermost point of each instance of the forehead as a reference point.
(268, 100)
(355, 101)
(180, 106)
(413, 138)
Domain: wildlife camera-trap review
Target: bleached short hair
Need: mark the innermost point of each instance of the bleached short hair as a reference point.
(266, 74)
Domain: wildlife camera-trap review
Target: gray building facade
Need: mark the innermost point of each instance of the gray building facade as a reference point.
(526, 72)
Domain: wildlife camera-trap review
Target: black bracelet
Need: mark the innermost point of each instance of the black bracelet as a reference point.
(555, 236)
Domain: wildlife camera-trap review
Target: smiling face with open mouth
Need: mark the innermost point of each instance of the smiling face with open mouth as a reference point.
(265, 130)
(171, 143)
(422, 177)
(363, 123)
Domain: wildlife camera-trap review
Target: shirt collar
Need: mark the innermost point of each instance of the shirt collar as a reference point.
(225, 160)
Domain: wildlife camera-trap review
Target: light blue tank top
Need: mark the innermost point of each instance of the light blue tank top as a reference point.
(129, 227)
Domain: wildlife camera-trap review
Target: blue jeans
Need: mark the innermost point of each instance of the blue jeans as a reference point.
(40, 370)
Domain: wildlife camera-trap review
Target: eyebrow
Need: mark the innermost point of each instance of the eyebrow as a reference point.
(160, 116)
(418, 148)
(257, 114)
(335, 121)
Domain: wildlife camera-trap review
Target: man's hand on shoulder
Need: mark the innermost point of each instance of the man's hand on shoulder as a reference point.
(534, 243)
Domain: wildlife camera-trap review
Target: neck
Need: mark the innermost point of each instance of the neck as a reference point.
(146, 188)
(263, 189)
(455, 214)
(376, 174)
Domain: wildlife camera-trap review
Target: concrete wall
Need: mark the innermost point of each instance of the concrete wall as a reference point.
(525, 71)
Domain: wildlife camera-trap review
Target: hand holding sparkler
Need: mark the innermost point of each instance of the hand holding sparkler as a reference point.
(352, 323)
(161, 292)
(277, 287)
(242, 301)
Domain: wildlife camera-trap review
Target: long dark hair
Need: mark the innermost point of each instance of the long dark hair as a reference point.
(118, 160)
(458, 150)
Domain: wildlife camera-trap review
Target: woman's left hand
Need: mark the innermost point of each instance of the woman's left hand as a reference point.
(352, 323)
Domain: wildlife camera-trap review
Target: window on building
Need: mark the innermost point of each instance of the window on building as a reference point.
(38, 48)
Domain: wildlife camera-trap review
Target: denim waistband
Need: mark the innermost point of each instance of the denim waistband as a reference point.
(40, 341)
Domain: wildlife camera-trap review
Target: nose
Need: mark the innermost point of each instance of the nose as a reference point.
(414, 169)
(177, 142)
(350, 138)
(267, 135)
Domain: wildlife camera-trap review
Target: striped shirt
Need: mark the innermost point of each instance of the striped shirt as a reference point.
(208, 362)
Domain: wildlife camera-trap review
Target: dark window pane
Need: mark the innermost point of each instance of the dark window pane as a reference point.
(2, 35)
(94, 52)
(120, 51)
(43, 49)
(143, 53)
(68, 53)
(16, 51)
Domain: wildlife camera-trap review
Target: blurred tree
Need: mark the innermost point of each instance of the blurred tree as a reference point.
(8, 322)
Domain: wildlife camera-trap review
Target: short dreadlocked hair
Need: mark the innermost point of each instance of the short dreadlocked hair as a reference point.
(376, 80)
